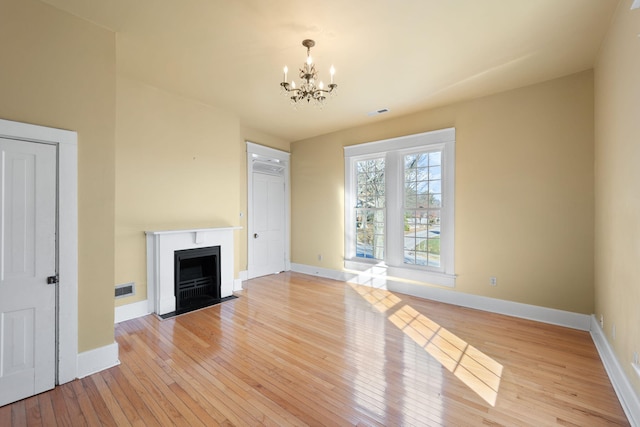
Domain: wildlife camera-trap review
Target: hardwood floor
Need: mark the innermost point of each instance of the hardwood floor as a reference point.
(299, 350)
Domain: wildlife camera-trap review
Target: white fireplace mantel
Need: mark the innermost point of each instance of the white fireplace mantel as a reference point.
(161, 246)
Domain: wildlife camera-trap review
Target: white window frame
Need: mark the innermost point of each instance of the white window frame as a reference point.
(354, 181)
(394, 150)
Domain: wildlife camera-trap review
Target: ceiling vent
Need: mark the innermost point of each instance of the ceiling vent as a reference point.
(376, 112)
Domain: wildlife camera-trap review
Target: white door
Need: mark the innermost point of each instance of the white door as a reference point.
(268, 219)
(27, 259)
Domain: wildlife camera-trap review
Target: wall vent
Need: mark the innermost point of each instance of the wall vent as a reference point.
(125, 290)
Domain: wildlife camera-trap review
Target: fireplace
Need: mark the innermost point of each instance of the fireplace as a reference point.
(161, 251)
(197, 278)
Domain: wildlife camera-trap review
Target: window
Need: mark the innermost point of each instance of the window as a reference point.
(422, 208)
(399, 206)
(369, 210)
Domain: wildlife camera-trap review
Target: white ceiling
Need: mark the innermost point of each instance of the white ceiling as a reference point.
(405, 55)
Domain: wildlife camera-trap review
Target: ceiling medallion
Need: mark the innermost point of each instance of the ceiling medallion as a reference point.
(308, 91)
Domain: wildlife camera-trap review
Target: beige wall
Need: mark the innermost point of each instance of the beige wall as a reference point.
(59, 71)
(524, 192)
(179, 164)
(617, 173)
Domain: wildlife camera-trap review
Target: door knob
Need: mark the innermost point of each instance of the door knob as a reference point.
(255, 235)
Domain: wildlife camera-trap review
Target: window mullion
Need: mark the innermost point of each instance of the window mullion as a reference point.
(394, 215)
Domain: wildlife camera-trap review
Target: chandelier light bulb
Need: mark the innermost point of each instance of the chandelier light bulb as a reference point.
(332, 71)
(286, 70)
(321, 86)
(293, 84)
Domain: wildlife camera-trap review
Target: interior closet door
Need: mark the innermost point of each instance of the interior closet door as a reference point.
(27, 264)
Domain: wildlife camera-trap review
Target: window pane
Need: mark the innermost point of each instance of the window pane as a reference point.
(422, 160)
(410, 161)
(422, 201)
(435, 172)
(434, 252)
(421, 258)
(410, 196)
(409, 257)
(435, 158)
(379, 200)
(410, 175)
(422, 174)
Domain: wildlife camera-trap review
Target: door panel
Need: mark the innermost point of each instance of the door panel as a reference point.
(27, 258)
(268, 218)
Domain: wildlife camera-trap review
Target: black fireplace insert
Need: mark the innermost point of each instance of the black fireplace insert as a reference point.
(197, 278)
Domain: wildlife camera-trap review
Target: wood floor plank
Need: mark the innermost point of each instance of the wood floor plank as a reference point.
(297, 350)
(115, 407)
(86, 408)
(32, 408)
(46, 410)
(63, 418)
(19, 414)
(116, 380)
(77, 415)
(99, 405)
(5, 415)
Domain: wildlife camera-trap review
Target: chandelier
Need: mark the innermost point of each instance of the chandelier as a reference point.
(308, 91)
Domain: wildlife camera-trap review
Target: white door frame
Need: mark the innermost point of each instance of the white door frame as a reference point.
(67, 236)
(256, 151)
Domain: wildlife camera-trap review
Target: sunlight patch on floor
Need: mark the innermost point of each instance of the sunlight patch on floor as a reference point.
(380, 299)
(478, 371)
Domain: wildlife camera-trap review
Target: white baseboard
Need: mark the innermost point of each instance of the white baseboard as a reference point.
(312, 270)
(131, 311)
(621, 384)
(493, 305)
(237, 283)
(96, 360)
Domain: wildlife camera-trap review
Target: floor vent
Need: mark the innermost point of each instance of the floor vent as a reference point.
(125, 290)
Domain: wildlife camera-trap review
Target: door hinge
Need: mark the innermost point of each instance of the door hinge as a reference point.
(52, 280)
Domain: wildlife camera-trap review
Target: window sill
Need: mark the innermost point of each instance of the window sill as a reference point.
(416, 274)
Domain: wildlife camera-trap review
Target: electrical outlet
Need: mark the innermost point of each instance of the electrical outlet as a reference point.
(493, 281)
(319, 257)
(602, 321)
(635, 358)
